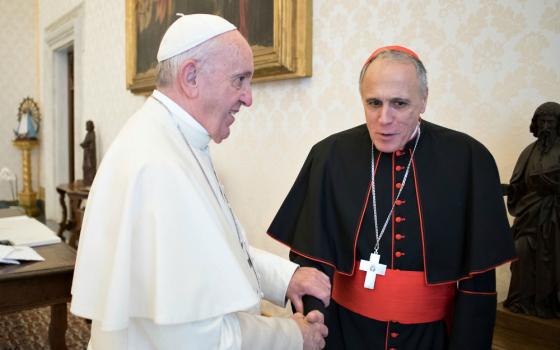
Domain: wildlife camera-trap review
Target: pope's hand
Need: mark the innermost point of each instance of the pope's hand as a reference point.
(312, 329)
(308, 281)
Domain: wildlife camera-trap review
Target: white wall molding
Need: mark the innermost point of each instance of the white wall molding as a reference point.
(58, 38)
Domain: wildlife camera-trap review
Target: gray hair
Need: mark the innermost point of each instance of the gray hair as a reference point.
(401, 56)
(166, 70)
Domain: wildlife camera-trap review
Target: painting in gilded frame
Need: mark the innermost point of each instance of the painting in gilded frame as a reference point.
(279, 32)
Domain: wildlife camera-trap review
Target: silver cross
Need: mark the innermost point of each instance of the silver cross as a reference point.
(372, 268)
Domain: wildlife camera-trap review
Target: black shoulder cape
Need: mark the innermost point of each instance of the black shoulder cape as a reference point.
(464, 219)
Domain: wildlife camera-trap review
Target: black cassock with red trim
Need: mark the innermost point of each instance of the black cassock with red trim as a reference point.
(450, 222)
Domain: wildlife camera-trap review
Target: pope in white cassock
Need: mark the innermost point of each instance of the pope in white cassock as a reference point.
(163, 262)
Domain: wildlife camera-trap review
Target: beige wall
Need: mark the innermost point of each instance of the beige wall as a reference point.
(490, 64)
(18, 72)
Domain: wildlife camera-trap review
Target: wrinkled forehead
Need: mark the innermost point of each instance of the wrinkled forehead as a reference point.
(229, 51)
(240, 54)
(406, 60)
(390, 73)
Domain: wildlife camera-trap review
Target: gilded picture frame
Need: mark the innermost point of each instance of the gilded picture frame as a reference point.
(285, 54)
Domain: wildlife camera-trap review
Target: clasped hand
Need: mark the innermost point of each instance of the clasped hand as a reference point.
(313, 329)
(310, 281)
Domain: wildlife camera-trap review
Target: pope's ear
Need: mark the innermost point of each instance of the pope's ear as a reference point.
(187, 77)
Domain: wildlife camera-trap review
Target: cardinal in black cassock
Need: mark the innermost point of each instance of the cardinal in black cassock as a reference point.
(405, 216)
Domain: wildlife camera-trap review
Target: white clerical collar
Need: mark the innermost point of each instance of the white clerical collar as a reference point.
(196, 134)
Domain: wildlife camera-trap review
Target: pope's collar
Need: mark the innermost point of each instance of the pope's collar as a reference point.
(196, 134)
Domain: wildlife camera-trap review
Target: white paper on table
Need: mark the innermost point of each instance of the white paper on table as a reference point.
(24, 253)
(23, 230)
(12, 255)
(9, 261)
(5, 250)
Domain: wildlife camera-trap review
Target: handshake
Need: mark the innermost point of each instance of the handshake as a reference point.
(310, 281)
(312, 328)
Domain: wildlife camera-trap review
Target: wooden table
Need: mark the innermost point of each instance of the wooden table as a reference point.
(519, 332)
(72, 221)
(38, 284)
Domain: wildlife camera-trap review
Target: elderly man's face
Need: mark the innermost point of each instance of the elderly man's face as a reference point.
(548, 131)
(226, 85)
(393, 102)
(547, 124)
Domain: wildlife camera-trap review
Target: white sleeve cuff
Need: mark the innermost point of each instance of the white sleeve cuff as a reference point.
(274, 273)
(271, 333)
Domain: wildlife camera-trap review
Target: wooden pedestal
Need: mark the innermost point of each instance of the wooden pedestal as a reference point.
(27, 197)
(520, 332)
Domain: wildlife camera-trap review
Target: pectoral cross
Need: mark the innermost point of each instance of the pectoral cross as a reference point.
(372, 268)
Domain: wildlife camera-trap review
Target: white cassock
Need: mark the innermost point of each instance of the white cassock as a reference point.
(160, 265)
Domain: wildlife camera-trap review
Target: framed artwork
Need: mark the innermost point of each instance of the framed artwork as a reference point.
(279, 32)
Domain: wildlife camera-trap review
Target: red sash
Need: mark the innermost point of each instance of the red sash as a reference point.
(399, 296)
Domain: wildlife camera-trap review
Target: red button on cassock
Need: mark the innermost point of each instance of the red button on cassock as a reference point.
(399, 168)
(398, 236)
(399, 219)
(399, 153)
(394, 334)
(399, 254)
(399, 202)
(398, 185)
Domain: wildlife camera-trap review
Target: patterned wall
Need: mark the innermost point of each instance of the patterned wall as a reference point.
(19, 78)
(105, 99)
(490, 64)
(100, 93)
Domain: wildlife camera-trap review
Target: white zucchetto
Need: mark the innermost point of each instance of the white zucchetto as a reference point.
(189, 31)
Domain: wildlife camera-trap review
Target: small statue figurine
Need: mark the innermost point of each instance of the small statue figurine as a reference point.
(89, 165)
(534, 200)
(26, 129)
(29, 117)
